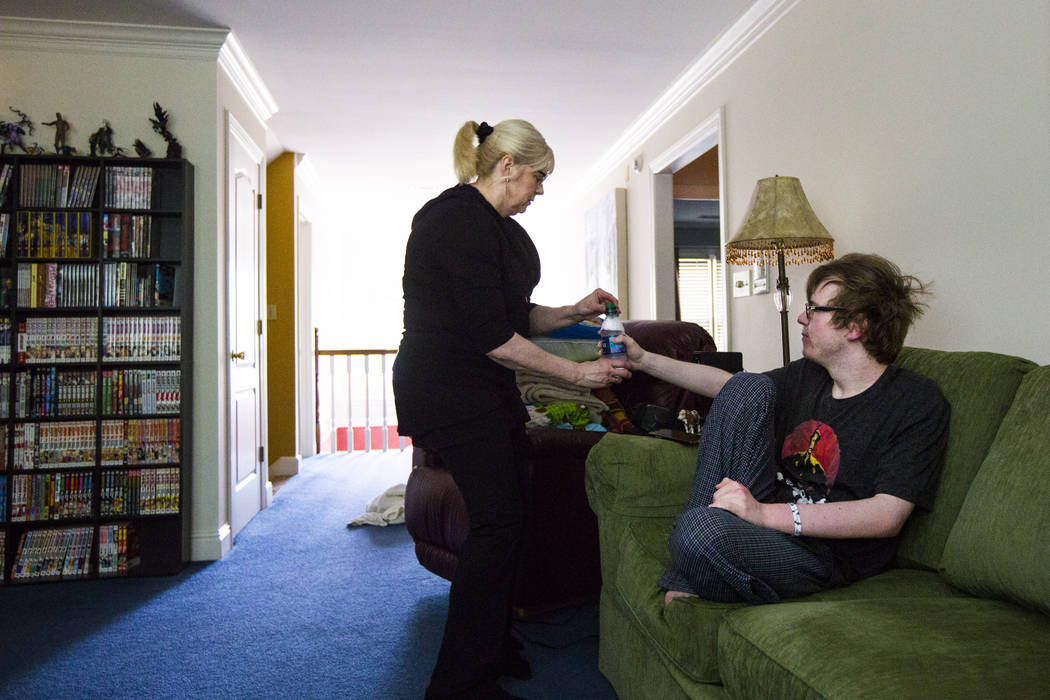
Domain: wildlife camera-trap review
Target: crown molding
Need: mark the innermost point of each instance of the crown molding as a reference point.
(249, 84)
(51, 35)
(212, 44)
(758, 19)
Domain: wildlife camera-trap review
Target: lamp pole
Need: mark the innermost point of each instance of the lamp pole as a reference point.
(783, 300)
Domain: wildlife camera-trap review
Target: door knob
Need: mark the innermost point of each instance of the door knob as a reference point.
(237, 355)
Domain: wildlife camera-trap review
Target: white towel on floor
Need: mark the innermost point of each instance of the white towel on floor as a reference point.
(388, 508)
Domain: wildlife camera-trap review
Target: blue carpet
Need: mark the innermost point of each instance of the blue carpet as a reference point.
(301, 607)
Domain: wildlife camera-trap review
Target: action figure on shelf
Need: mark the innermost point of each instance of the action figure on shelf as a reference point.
(11, 133)
(102, 140)
(160, 125)
(61, 132)
(142, 149)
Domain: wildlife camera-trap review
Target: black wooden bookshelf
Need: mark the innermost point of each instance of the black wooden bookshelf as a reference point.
(95, 372)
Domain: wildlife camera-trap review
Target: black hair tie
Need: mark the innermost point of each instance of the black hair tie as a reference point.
(483, 132)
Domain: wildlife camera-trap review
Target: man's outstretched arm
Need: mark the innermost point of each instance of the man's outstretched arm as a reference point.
(699, 379)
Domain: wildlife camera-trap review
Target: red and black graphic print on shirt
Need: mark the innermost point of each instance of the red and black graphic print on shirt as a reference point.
(810, 461)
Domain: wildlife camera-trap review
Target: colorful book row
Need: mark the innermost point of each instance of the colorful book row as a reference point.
(57, 285)
(50, 496)
(51, 392)
(54, 445)
(54, 234)
(142, 338)
(129, 187)
(138, 284)
(5, 339)
(57, 340)
(73, 443)
(61, 186)
(141, 441)
(118, 550)
(127, 235)
(137, 391)
(5, 229)
(139, 492)
(5, 179)
(58, 553)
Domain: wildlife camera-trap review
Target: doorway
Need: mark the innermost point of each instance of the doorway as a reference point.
(248, 483)
(689, 230)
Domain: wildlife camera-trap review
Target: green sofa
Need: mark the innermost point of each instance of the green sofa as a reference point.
(965, 613)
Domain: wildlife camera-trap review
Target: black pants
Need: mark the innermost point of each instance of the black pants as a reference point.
(487, 471)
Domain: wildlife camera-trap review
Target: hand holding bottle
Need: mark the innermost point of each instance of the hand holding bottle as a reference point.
(594, 304)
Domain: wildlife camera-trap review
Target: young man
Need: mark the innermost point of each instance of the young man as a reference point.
(806, 474)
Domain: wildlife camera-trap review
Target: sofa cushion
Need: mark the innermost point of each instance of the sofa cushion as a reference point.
(979, 386)
(640, 476)
(901, 648)
(684, 633)
(1000, 545)
(895, 583)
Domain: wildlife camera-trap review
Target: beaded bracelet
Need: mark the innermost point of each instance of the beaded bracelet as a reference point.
(797, 518)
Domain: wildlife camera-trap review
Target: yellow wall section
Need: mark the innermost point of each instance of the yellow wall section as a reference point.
(280, 306)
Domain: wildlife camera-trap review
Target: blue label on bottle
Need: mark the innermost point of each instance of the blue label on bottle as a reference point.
(609, 348)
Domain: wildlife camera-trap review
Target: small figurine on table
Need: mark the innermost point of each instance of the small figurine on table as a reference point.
(690, 420)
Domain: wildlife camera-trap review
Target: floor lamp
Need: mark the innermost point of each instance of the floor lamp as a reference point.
(780, 225)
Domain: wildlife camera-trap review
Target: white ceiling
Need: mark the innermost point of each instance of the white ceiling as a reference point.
(373, 92)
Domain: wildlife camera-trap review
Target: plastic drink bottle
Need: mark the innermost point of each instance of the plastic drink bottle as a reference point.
(612, 326)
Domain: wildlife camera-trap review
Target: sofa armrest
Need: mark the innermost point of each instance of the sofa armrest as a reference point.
(639, 477)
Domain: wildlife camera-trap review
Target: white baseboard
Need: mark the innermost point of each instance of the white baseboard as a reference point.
(210, 546)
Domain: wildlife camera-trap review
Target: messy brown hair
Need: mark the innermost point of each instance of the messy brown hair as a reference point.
(874, 292)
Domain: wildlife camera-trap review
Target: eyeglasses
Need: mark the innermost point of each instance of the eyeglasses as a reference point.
(810, 308)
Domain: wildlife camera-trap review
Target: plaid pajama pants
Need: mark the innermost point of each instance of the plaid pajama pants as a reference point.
(716, 554)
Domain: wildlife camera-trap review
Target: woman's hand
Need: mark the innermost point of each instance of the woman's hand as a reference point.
(603, 372)
(594, 304)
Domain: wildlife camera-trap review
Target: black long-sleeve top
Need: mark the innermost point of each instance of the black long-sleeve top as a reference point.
(469, 276)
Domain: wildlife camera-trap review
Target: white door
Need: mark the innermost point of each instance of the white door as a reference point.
(247, 478)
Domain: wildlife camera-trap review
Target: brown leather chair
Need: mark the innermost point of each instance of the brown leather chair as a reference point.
(559, 560)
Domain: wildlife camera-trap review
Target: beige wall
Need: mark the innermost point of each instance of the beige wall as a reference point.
(116, 73)
(919, 131)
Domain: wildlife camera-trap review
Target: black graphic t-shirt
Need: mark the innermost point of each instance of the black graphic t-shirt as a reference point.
(888, 439)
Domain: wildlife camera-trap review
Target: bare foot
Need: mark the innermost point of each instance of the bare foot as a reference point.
(671, 595)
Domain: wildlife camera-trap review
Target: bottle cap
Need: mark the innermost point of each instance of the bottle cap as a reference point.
(610, 308)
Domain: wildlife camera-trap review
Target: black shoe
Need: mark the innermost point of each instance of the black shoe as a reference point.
(486, 691)
(513, 666)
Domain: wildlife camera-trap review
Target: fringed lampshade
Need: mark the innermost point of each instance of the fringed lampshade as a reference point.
(780, 226)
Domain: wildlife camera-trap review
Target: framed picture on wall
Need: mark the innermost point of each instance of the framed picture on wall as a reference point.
(605, 242)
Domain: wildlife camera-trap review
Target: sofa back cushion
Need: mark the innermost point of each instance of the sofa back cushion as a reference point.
(979, 387)
(677, 339)
(1000, 544)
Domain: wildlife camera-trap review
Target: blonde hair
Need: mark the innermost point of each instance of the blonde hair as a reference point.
(514, 137)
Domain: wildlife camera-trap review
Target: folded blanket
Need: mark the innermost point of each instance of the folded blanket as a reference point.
(542, 390)
(388, 508)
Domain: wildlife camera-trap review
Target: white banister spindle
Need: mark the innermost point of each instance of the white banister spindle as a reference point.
(375, 412)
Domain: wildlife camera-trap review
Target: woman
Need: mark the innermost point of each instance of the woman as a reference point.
(469, 274)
